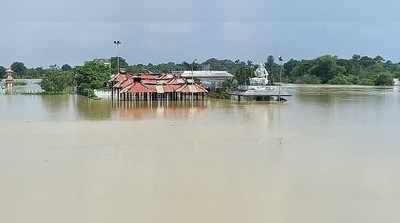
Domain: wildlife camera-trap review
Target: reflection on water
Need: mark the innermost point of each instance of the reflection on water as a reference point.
(167, 109)
(328, 155)
(93, 109)
(68, 108)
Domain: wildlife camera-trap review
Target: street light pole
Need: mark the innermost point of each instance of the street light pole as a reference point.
(117, 43)
(280, 79)
(194, 61)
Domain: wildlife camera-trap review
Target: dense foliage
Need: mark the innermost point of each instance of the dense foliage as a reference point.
(66, 67)
(58, 81)
(2, 72)
(22, 72)
(92, 75)
(18, 68)
(332, 70)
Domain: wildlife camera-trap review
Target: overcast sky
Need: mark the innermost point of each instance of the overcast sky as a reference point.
(44, 32)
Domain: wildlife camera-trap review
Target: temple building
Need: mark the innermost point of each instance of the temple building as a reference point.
(148, 86)
(9, 81)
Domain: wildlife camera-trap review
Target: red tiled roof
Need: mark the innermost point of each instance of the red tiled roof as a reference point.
(124, 83)
(191, 88)
(120, 77)
(138, 87)
(149, 81)
(149, 77)
(127, 83)
(167, 76)
(152, 87)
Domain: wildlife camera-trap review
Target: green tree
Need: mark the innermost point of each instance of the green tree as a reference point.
(367, 61)
(114, 64)
(379, 59)
(301, 69)
(340, 79)
(18, 68)
(326, 68)
(270, 63)
(90, 76)
(243, 74)
(66, 67)
(308, 79)
(356, 57)
(384, 79)
(56, 81)
(2, 72)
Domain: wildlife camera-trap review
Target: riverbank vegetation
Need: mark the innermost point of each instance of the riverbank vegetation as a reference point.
(81, 79)
(92, 75)
(332, 70)
(58, 82)
(328, 69)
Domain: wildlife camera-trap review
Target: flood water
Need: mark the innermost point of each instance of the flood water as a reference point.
(330, 154)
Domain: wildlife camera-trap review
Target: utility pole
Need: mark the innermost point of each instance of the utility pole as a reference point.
(194, 61)
(117, 43)
(280, 78)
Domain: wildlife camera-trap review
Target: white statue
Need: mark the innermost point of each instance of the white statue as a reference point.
(261, 76)
(261, 71)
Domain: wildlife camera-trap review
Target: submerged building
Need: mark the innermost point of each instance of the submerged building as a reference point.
(210, 79)
(150, 86)
(9, 81)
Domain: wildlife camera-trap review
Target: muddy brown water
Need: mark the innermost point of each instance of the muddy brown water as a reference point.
(331, 154)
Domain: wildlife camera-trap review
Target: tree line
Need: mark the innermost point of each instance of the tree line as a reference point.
(328, 69)
(360, 70)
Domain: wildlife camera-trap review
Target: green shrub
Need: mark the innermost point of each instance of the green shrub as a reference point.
(308, 79)
(384, 79)
(340, 79)
(366, 81)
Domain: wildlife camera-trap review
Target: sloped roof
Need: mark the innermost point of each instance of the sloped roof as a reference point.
(149, 77)
(123, 83)
(191, 88)
(137, 87)
(167, 76)
(127, 83)
(120, 77)
(149, 81)
(176, 81)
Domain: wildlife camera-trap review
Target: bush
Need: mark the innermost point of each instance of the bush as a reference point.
(308, 79)
(340, 79)
(384, 79)
(366, 81)
(85, 90)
